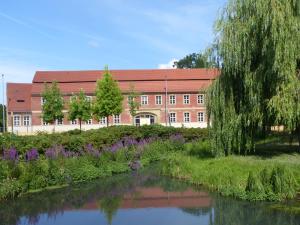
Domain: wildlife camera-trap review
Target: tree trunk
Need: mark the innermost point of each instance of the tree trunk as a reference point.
(80, 121)
(107, 121)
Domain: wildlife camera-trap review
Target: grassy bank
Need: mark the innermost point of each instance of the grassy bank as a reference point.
(274, 176)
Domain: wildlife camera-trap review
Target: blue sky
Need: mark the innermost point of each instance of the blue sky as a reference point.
(87, 34)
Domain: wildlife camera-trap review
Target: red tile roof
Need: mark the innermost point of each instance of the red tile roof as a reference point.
(19, 97)
(126, 75)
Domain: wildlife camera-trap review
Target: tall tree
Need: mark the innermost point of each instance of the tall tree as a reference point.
(258, 42)
(198, 60)
(1, 117)
(109, 98)
(133, 103)
(53, 104)
(80, 108)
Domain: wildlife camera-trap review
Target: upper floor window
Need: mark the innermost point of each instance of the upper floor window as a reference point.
(158, 99)
(200, 99)
(26, 120)
(43, 100)
(200, 117)
(172, 117)
(186, 99)
(186, 117)
(89, 98)
(172, 99)
(17, 120)
(117, 119)
(144, 100)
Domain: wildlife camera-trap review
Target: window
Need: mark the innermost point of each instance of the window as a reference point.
(74, 122)
(200, 99)
(17, 120)
(186, 99)
(144, 100)
(26, 120)
(89, 98)
(158, 99)
(44, 123)
(59, 121)
(172, 117)
(102, 120)
(172, 99)
(186, 117)
(200, 117)
(117, 119)
(43, 101)
(89, 122)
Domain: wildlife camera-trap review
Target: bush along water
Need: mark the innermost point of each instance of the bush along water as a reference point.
(31, 170)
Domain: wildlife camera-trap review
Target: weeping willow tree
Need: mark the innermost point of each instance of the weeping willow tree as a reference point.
(258, 43)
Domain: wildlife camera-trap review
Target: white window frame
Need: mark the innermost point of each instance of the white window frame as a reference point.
(200, 99)
(160, 99)
(25, 121)
(89, 122)
(172, 119)
(44, 123)
(186, 101)
(171, 100)
(59, 122)
(89, 98)
(73, 122)
(19, 120)
(103, 121)
(184, 117)
(201, 118)
(116, 119)
(43, 101)
(144, 101)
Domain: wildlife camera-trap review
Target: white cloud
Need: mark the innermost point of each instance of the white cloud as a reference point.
(169, 65)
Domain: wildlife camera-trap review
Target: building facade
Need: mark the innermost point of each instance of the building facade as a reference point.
(172, 97)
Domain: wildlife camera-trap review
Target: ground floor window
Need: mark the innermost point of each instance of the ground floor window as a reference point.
(26, 120)
(117, 119)
(144, 119)
(200, 117)
(103, 121)
(186, 117)
(74, 122)
(172, 117)
(17, 120)
(59, 121)
(89, 122)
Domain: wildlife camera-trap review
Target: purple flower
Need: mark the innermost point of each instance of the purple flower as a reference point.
(116, 147)
(31, 155)
(90, 150)
(129, 141)
(11, 154)
(51, 153)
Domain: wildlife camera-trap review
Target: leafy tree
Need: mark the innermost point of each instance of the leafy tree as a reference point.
(53, 104)
(258, 44)
(109, 98)
(198, 60)
(1, 117)
(80, 108)
(134, 105)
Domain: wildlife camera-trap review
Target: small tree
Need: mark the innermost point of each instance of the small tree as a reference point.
(109, 98)
(80, 108)
(53, 104)
(133, 104)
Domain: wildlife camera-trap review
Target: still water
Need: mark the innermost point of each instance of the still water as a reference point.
(137, 199)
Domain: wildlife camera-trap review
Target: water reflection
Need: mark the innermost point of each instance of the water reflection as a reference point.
(141, 198)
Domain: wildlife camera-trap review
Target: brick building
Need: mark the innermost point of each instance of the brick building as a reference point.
(173, 97)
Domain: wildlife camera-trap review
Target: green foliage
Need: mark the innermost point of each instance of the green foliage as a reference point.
(196, 60)
(109, 98)
(1, 117)
(258, 44)
(53, 103)
(133, 103)
(80, 108)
